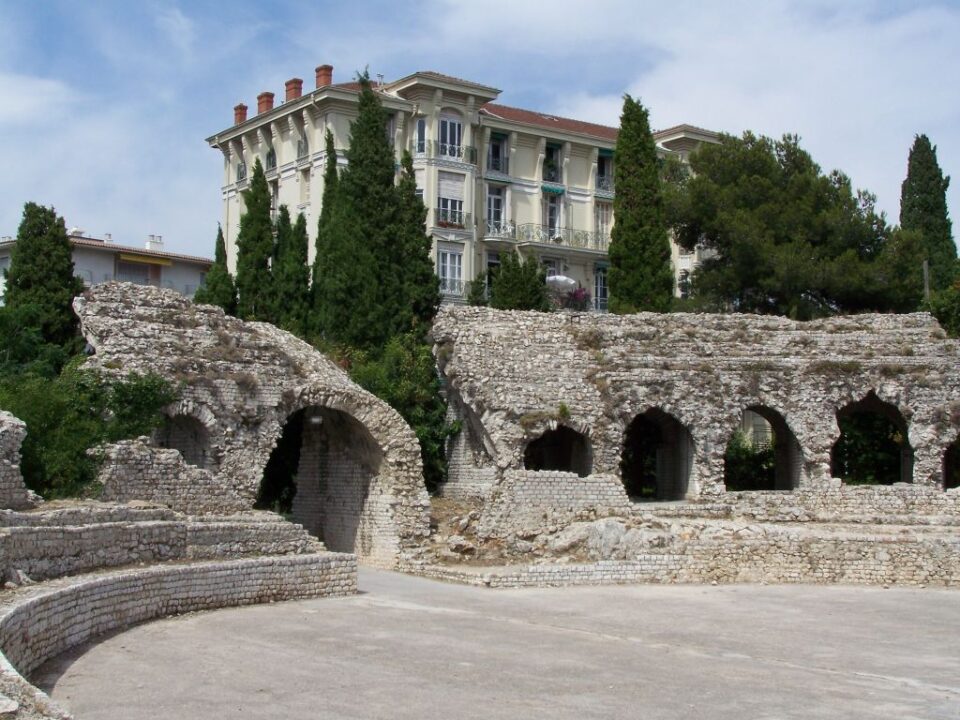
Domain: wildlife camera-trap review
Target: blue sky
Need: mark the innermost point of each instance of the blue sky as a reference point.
(105, 105)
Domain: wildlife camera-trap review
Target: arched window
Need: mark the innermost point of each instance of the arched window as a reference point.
(763, 453)
(873, 447)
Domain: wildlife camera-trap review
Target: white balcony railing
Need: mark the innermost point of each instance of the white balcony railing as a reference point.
(451, 286)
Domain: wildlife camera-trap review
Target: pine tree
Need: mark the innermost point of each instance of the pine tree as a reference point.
(422, 286)
(640, 274)
(519, 284)
(254, 250)
(41, 275)
(331, 184)
(291, 276)
(923, 207)
(218, 287)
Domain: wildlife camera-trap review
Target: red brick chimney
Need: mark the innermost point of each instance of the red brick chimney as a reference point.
(239, 114)
(324, 76)
(264, 102)
(294, 89)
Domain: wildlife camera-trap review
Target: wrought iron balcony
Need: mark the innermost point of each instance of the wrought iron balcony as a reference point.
(456, 219)
(548, 235)
(600, 304)
(605, 183)
(443, 151)
(498, 164)
(552, 173)
(451, 286)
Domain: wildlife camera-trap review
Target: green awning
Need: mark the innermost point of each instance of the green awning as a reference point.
(606, 152)
(555, 189)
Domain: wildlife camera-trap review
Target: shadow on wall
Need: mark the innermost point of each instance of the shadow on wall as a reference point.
(561, 449)
(657, 457)
(320, 475)
(190, 437)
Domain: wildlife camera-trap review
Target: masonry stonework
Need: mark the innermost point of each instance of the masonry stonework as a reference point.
(13, 493)
(240, 385)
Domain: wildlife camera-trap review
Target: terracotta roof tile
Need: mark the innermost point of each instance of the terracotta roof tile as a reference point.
(530, 117)
(102, 245)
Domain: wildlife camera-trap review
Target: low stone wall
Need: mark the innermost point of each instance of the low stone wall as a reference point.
(48, 551)
(134, 470)
(867, 560)
(529, 500)
(38, 624)
(13, 493)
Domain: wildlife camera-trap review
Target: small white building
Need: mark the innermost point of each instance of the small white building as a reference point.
(98, 260)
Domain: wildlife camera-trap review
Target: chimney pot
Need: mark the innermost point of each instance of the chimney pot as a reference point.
(294, 89)
(239, 114)
(324, 75)
(264, 102)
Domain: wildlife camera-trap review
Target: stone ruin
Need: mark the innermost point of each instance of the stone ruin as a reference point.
(13, 492)
(359, 480)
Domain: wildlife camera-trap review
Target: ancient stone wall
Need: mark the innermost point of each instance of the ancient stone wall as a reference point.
(522, 374)
(241, 383)
(13, 492)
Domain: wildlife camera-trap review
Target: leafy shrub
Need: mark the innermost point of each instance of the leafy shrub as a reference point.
(747, 466)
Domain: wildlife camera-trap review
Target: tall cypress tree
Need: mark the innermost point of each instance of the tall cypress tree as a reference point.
(422, 286)
(331, 184)
(291, 276)
(519, 284)
(218, 287)
(923, 207)
(41, 275)
(283, 238)
(640, 275)
(255, 249)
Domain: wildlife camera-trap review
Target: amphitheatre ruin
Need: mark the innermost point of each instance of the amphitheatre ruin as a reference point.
(549, 407)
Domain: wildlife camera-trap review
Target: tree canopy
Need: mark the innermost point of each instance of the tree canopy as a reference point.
(782, 237)
(255, 249)
(640, 275)
(218, 287)
(923, 208)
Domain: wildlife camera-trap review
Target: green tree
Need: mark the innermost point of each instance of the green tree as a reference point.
(786, 239)
(218, 287)
(41, 275)
(421, 284)
(923, 207)
(640, 274)
(254, 250)
(318, 290)
(519, 284)
(291, 278)
(945, 306)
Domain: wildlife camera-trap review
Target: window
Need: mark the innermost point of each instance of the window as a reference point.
(271, 159)
(450, 271)
(604, 218)
(420, 141)
(683, 284)
(604, 173)
(600, 288)
(303, 147)
(389, 129)
(493, 264)
(138, 273)
(451, 137)
(494, 210)
(305, 186)
(241, 171)
(551, 265)
(551, 212)
(551, 164)
(497, 156)
(450, 200)
(274, 199)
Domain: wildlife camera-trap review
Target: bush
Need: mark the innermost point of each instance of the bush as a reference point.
(748, 466)
(73, 412)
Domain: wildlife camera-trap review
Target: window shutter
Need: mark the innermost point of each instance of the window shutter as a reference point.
(451, 185)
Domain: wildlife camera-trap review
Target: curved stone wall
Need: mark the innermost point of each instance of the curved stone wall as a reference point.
(522, 373)
(39, 623)
(241, 382)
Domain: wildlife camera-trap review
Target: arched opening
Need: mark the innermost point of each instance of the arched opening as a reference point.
(763, 453)
(657, 457)
(951, 466)
(873, 447)
(561, 449)
(190, 437)
(320, 474)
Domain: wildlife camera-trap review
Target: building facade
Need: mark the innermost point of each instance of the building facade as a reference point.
(98, 260)
(494, 178)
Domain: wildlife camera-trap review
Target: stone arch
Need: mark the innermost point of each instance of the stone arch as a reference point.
(766, 431)
(875, 430)
(656, 457)
(561, 448)
(359, 484)
(190, 437)
(951, 465)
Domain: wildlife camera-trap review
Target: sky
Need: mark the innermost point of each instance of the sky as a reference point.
(104, 106)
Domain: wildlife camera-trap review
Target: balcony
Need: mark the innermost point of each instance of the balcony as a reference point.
(456, 219)
(451, 287)
(552, 173)
(499, 165)
(605, 184)
(443, 151)
(548, 235)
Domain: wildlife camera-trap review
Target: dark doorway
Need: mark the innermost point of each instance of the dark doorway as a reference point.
(873, 447)
(561, 449)
(951, 466)
(657, 457)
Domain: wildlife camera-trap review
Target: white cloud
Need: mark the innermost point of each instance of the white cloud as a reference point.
(32, 100)
(178, 29)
